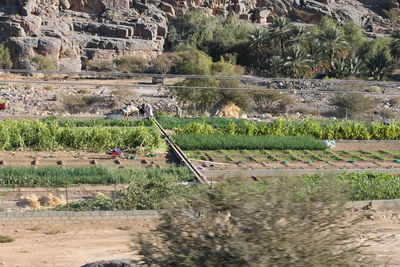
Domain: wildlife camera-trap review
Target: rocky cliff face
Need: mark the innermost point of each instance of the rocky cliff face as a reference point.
(74, 31)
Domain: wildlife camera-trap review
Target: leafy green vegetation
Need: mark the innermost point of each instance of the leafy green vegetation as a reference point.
(216, 142)
(371, 185)
(44, 62)
(232, 156)
(157, 194)
(98, 122)
(46, 135)
(150, 195)
(5, 58)
(54, 176)
(323, 50)
(323, 129)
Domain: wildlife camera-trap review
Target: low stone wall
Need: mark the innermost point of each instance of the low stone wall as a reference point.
(54, 217)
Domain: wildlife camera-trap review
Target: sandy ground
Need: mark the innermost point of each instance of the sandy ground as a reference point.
(69, 245)
(77, 244)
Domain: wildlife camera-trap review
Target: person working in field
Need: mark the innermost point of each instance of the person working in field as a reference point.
(129, 110)
(148, 111)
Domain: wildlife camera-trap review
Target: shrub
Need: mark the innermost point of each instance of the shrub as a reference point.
(5, 58)
(44, 62)
(247, 226)
(79, 104)
(6, 239)
(99, 65)
(130, 64)
(354, 105)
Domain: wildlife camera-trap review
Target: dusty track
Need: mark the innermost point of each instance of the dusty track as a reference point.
(77, 244)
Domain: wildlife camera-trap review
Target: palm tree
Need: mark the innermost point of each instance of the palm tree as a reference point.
(280, 30)
(354, 65)
(298, 62)
(379, 66)
(299, 35)
(274, 66)
(258, 41)
(333, 42)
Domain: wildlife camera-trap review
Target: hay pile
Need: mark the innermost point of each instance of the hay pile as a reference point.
(47, 201)
(51, 201)
(230, 110)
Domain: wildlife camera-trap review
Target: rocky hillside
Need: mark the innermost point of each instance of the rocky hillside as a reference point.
(74, 31)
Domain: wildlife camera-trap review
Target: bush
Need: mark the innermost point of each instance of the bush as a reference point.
(44, 63)
(217, 142)
(6, 239)
(356, 106)
(99, 65)
(5, 58)
(130, 64)
(277, 226)
(79, 104)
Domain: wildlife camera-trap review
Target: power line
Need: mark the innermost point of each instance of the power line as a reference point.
(152, 87)
(217, 77)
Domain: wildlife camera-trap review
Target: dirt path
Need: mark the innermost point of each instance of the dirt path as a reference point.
(77, 244)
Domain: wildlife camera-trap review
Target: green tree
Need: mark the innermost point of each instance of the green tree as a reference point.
(297, 63)
(5, 58)
(379, 66)
(299, 35)
(274, 67)
(195, 62)
(241, 225)
(257, 43)
(280, 30)
(334, 43)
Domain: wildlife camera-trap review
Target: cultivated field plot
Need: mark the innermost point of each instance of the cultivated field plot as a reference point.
(295, 159)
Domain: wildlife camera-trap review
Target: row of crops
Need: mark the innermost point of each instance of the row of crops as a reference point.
(159, 194)
(361, 186)
(51, 135)
(320, 129)
(55, 176)
(235, 142)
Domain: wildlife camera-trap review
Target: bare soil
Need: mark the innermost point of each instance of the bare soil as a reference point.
(355, 146)
(69, 244)
(81, 159)
(77, 244)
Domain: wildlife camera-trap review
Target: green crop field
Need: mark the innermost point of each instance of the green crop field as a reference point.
(320, 129)
(217, 142)
(98, 122)
(55, 176)
(292, 155)
(49, 135)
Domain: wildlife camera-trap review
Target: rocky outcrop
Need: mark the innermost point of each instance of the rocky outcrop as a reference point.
(75, 31)
(72, 32)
